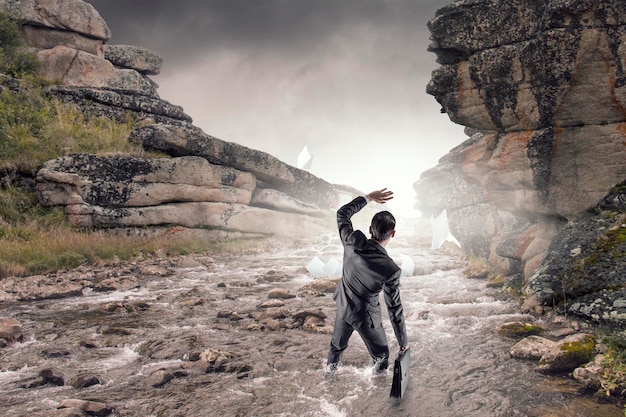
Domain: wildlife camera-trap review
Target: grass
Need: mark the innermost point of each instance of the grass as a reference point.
(36, 239)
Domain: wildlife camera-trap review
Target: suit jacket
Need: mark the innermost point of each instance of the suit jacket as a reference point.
(367, 270)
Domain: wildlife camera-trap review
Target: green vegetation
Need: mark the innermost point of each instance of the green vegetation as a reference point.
(613, 376)
(36, 239)
(35, 128)
(13, 61)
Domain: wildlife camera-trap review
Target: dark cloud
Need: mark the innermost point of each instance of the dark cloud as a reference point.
(174, 28)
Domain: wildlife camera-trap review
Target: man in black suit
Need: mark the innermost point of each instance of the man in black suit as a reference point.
(367, 270)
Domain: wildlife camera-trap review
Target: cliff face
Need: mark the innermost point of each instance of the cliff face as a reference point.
(207, 184)
(542, 89)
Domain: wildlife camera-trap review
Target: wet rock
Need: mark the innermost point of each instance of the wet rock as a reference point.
(214, 360)
(273, 324)
(41, 287)
(11, 331)
(52, 377)
(519, 329)
(153, 270)
(166, 349)
(273, 303)
(301, 315)
(230, 315)
(186, 262)
(319, 287)
(85, 381)
(117, 331)
(568, 354)
(273, 276)
(193, 302)
(316, 325)
(92, 408)
(590, 375)
(272, 313)
(280, 293)
(117, 284)
(90, 344)
(51, 354)
(112, 307)
(159, 378)
(532, 347)
(69, 412)
(214, 356)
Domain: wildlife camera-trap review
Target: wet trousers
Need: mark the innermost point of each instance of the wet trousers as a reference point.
(374, 338)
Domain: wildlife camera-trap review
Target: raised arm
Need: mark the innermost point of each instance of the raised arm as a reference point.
(347, 211)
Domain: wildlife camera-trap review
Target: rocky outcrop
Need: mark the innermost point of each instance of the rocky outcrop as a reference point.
(540, 86)
(202, 183)
(69, 38)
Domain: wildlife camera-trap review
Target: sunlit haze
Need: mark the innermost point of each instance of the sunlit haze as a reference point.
(346, 79)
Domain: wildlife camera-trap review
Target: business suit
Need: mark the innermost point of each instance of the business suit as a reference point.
(367, 270)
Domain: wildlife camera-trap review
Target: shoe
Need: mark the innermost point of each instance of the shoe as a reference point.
(380, 364)
(331, 368)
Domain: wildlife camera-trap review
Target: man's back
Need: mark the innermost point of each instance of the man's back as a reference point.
(367, 269)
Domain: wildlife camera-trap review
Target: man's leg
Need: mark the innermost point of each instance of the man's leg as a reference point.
(338, 343)
(376, 342)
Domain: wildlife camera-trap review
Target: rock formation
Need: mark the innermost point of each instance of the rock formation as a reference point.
(540, 87)
(206, 183)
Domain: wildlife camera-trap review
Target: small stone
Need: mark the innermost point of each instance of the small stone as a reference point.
(281, 293)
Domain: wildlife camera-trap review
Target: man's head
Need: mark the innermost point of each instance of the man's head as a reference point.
(383, 226)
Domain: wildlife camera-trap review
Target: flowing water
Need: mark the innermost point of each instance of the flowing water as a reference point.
(460, 366)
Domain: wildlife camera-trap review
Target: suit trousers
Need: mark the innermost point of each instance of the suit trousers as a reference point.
(374, 338)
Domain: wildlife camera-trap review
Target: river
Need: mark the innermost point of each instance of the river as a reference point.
(127, 339)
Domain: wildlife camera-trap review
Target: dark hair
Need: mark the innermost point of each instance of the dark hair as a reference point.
(383, 225)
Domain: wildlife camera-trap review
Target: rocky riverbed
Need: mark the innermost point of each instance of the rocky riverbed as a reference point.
(246, 334)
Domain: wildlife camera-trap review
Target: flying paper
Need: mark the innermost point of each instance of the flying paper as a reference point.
(407, 266)
(319, 269)
(441, 232)
(316, 267)
(305, 159)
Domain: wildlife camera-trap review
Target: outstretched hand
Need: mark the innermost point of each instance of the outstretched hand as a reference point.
(380, 196)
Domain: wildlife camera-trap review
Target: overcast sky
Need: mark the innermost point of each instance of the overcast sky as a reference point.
(346, 78)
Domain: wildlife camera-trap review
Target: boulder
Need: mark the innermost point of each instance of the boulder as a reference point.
(140, 59)
(136, 182)
(182, 140)
(77, 68)
(46, 38)
(67, 15)
(190, 140)
(280, 293)
(568, 354)
(532, 347)
(11, 330)
(117, 104)
(40, 287)
(92, 408)
(519, 329)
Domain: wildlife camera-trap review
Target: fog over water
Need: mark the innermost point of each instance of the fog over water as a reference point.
(345, 78)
